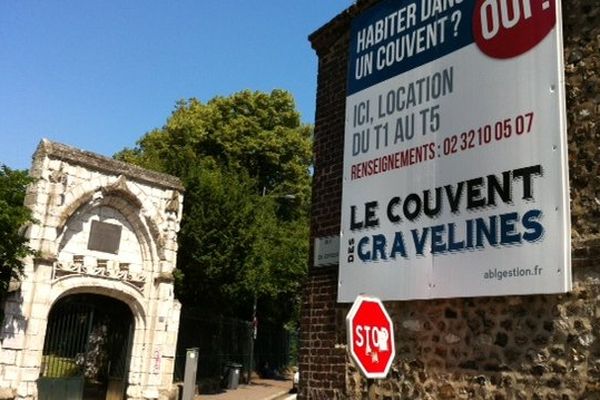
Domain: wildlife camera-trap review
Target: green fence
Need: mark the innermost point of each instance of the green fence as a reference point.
(221, 341)
(274, 349)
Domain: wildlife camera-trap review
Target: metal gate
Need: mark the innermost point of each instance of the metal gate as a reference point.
(86, 349)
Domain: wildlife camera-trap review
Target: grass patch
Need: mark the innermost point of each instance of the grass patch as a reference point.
(59, 367)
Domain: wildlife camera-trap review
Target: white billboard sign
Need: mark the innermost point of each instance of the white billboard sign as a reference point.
(455, 173)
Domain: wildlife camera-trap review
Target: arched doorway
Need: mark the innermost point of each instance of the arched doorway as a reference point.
(87, 349)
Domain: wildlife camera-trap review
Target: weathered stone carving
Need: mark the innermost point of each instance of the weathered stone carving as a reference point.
(173, 204)
(58, 176)
(104, 269)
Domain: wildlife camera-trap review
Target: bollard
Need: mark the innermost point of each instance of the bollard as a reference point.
(189, 380)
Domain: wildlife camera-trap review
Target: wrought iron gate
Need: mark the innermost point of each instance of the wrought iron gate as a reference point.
(86, 349)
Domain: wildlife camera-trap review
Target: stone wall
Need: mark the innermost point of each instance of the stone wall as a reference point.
(516, 347)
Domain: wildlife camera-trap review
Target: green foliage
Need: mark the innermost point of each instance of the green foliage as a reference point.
(13, 217)
(254, 132)
(244, 160)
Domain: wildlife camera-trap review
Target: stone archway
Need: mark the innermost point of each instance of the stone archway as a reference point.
(104, 230)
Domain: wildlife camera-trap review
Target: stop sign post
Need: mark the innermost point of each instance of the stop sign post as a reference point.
(370, 337)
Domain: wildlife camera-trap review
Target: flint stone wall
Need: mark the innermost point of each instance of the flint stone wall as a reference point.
(514, 347)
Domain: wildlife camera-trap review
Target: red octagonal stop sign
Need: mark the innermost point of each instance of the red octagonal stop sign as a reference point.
(370, 337)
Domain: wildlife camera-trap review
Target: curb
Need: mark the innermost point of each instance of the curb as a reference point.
(277, 395)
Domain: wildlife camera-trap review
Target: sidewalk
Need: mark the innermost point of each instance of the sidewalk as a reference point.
(259, 389)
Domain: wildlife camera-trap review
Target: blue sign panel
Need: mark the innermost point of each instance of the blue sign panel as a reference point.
(396, 36)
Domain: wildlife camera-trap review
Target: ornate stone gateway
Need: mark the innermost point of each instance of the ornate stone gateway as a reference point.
(95, 314)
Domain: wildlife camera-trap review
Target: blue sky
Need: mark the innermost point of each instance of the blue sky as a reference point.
(98, 74)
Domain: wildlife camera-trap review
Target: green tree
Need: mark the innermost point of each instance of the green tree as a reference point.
(244, 160)
(254, 132)
(14, 216)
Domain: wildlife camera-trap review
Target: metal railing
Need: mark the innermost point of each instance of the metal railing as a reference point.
(222, 341)
(219, 340)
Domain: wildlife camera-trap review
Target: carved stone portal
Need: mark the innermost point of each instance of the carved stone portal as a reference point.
(106, 229)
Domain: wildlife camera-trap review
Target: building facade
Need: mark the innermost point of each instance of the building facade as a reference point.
(509, 347)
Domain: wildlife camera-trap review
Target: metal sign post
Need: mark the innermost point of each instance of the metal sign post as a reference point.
(189, 380)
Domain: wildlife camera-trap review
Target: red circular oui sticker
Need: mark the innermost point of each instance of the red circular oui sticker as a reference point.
(508, 28)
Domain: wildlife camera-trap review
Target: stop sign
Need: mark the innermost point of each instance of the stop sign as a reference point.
(370, 337)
